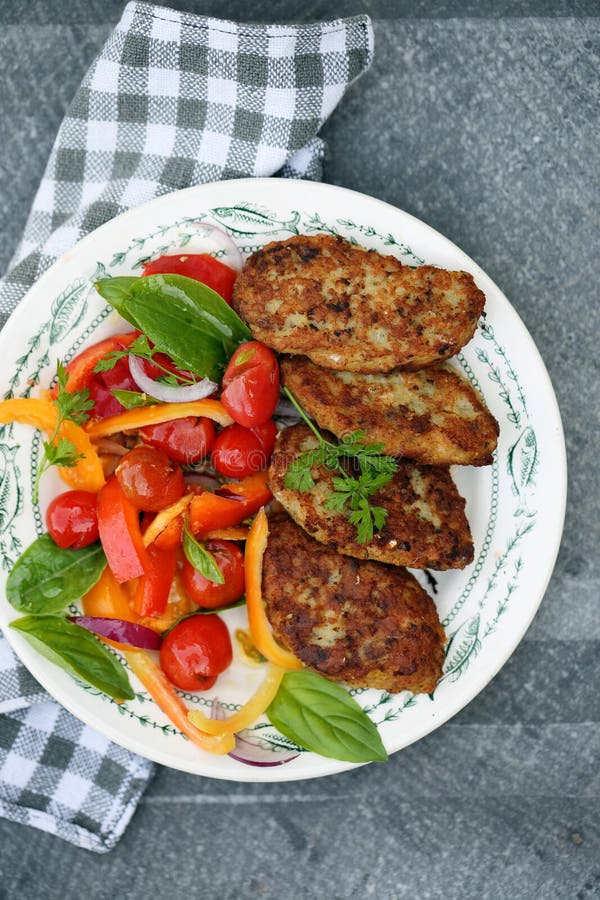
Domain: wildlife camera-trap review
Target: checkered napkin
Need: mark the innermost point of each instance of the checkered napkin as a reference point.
(173, 100)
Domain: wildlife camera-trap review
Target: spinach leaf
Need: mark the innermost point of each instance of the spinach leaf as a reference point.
(46, 577)
(115, 291)
(200, 558)
(322, 717)
(76, 651)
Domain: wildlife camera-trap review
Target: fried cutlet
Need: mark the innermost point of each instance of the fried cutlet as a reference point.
(426, 526)
(352, 309)
(361, 622)
(433, 416)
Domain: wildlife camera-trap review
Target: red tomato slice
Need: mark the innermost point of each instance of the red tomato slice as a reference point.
(183, 440)
(71, 519)
(200, 266)
(195, 652)
(81, 368)
(251, 384)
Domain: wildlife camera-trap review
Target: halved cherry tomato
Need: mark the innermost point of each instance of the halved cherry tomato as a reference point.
(184, 440)
(120, 533)
(153, 588)
(72, 519)
(251, 384)
(229, 505)
(195, 652)
(239, 451)
(148, 478)
(201, 266)
(206, 593)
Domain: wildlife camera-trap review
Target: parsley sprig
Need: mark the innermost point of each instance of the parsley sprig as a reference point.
(73, 405)
(370, 471)
(141, 348)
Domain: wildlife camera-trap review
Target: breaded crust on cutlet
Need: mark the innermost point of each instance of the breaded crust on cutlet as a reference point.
(352, 309)
(426, 526)
(433, 416)
(356, 621)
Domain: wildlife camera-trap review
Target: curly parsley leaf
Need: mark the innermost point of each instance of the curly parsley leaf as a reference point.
(371, 471)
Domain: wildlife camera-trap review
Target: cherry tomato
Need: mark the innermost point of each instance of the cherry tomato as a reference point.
(195, 652)
(72, 519)
(251, 384)
(207, 594)
(184, 440)
(200, 266)
(238, 452)
(148, 478)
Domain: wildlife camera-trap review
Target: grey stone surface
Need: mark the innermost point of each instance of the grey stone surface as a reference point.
(481, 119)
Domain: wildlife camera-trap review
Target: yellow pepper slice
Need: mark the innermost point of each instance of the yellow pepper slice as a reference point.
(86, 474)
(164, 517)
(154, 415)
(260, 629)
(159, 687)
(250, 711)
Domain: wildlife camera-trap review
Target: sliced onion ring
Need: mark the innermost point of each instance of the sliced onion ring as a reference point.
(120, 631)
(210, 239)
(166, 392)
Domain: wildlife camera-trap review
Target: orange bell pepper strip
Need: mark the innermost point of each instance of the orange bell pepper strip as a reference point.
(120, 533)
(86, 474)
(81, 368)
(229, 534)
(159, 687)
(260, 629)
(220, 510)
(164, 518)
(153, 588)
(108, 600)
(250, 711)
(154, 415)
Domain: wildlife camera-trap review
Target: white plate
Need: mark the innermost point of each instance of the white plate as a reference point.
(515, 507)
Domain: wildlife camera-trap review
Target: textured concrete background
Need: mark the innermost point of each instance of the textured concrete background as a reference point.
(482, 119)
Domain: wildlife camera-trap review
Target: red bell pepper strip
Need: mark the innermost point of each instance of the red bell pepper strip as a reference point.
(120, 533)
(153, 588)
(81, 368)
(229, 505)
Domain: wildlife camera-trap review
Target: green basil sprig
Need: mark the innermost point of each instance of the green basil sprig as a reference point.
(77, 652)
(182, 317)
(322, 717)
(200, 558)
(46, 577)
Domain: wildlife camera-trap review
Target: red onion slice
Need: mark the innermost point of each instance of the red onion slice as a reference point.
(254, 753)
(212, 240)
(119, 630)
(166, 393)
(250, 751)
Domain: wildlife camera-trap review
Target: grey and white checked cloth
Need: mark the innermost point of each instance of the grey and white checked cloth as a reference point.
(173, 99)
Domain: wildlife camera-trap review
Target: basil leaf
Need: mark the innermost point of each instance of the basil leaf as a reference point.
(200, 558)
(76, 651)
(322, 717)
(187, 320)
(133, 399)
(46, 577)
(115, 291)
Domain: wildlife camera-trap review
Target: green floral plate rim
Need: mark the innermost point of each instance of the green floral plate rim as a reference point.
(515, 507)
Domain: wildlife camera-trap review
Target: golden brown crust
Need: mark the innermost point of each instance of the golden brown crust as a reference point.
(352, 309)
(433, 416)
(360, 622)
(426, 526)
